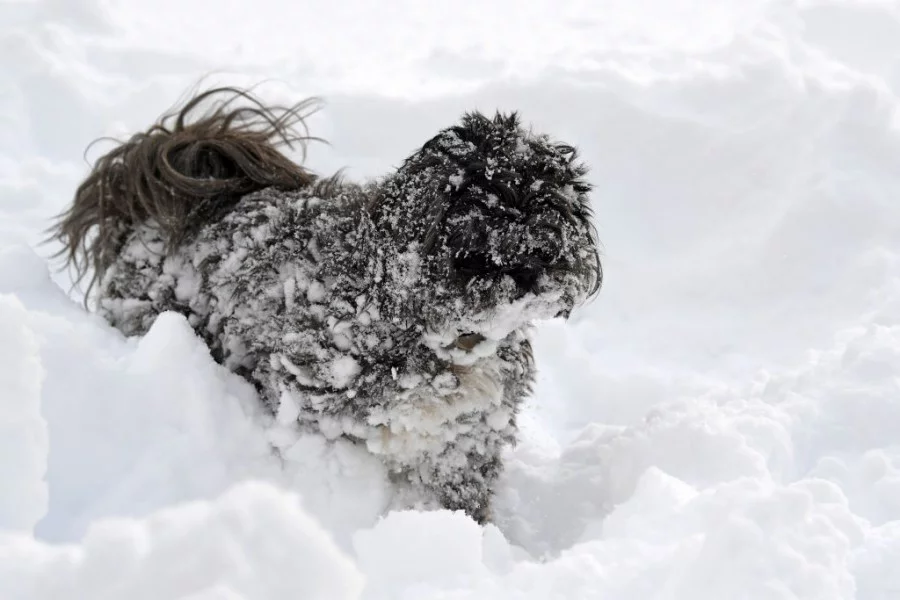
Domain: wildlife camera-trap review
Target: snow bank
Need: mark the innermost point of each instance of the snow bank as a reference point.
(23, 431)
(782, 487)
(253, 542)
(743, 539)
(684, 442)
(786, 487)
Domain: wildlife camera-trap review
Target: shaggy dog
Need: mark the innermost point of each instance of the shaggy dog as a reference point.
(393, 313)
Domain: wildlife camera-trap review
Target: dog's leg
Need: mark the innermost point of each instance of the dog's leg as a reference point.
(464, 475)
(470, 487)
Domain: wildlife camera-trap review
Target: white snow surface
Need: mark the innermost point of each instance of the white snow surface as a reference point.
(723, 422)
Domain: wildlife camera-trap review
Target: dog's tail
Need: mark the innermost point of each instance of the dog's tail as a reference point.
(180, 174)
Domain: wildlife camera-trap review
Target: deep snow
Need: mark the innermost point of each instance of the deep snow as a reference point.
(723, 422)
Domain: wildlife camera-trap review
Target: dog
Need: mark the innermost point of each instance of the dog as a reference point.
(395, 313)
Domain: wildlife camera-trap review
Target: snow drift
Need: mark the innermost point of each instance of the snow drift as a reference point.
(721, 423)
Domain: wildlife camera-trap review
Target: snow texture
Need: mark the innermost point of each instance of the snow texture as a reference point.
(722, 423)
(252, 542)
(23, 430)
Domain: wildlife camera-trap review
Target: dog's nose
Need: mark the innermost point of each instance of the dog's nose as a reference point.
(526, 279)
(467, 341)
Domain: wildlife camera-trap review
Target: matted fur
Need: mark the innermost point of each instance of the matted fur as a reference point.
(394, 313)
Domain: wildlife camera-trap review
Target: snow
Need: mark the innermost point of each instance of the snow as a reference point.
(23, 430)
(343, 371)
(721, 423)
(252, 542)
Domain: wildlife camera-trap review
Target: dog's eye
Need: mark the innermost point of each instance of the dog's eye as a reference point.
(467, 341)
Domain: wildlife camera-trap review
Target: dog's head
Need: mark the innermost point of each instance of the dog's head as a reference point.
(492, 228)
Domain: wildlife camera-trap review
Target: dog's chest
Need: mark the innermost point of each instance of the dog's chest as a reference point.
(425, 414)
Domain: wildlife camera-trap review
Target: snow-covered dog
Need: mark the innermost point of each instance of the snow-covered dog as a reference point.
(393, 313)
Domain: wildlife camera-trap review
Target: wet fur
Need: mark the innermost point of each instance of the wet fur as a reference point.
(394, 313)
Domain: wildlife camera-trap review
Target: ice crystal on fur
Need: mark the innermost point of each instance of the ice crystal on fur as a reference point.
(395, 313)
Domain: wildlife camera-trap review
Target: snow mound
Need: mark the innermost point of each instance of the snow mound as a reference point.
(781, 487)
(23, 430)
(252, 543)
(722, 423)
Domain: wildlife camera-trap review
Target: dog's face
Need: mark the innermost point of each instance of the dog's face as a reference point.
(497, 223)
